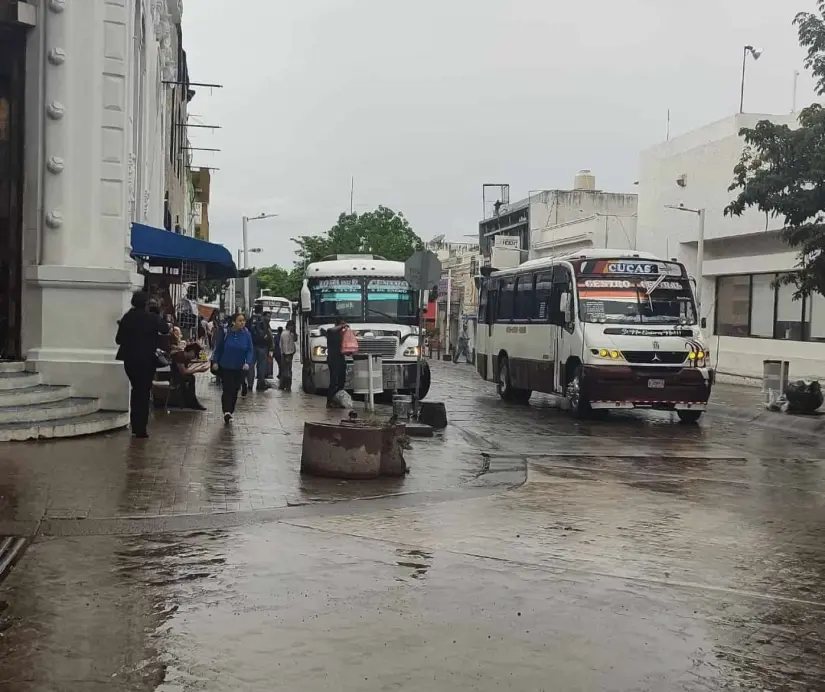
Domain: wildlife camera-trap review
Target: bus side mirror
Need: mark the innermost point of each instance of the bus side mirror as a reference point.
(306, 298)
(564, 309)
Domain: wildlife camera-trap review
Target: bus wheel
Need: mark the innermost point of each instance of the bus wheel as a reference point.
(579, 403)
(307, 381)
(504, 385)
(426, 381)
(689, 416)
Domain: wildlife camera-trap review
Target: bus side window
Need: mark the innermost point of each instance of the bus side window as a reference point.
(506, 300)
(492, 301)
(541, 304)
(524, 297)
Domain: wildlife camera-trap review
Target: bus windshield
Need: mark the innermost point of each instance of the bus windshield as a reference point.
(633, 300)
(391, 299)
(363, 300)
(279, 312)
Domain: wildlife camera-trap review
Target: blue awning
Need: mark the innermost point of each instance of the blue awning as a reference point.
(160, 247)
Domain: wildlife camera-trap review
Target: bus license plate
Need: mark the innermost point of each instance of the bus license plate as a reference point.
(655, 384)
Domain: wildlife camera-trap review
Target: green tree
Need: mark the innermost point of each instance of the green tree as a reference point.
(782, 170)
(210, 290)
(280, 282)
(381, 232)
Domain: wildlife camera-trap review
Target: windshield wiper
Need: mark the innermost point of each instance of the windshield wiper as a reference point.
(378, 312)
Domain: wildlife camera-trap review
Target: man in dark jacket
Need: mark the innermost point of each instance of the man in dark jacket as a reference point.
(137, 337)
(263, 341)
(336, 360)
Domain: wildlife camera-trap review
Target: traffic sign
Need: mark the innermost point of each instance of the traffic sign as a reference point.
(422, 270)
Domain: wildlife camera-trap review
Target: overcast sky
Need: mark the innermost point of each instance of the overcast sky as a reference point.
(423, 102)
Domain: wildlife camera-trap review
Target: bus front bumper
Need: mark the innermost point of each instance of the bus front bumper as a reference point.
(673, 389)
(396, 376)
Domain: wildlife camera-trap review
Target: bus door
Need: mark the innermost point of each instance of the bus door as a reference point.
(544, 333)
(484, 334)
(562, 316)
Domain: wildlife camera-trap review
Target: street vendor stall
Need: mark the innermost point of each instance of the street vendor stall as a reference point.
(173, 264)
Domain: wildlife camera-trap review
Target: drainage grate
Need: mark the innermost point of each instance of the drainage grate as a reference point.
(11, 548)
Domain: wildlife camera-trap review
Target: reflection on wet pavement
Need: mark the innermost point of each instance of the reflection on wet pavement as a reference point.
(639, 555)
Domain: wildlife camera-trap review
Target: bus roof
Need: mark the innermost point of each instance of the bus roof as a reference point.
(544, 262)
(355, 266)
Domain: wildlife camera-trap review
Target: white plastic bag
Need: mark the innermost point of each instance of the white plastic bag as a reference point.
(343, 399)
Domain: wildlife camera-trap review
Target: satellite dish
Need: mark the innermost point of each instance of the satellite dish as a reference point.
(438, 239)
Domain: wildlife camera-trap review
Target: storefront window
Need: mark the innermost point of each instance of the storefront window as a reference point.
(732, 305)
(815, 317)
(788, 314)
(762, 305)
(753, 305)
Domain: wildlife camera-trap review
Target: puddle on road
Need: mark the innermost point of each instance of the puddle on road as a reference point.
(417, 561)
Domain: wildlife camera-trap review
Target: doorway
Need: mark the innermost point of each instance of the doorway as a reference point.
(12, 92)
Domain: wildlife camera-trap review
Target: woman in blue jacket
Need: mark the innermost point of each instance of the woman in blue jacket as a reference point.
(234, 355)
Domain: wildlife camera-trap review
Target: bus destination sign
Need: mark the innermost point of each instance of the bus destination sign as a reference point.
(625, 266)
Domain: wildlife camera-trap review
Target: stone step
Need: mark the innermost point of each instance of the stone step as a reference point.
(40, 394)
(12, 366)
(55, 411)
(18, 380)
(90, 424)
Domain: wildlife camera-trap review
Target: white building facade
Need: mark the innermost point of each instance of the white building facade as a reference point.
(550, 222)
(92, 105)
(750, 319)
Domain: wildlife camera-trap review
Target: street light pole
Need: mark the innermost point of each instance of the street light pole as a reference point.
(756, 53)
(700, 249)
(245, 224)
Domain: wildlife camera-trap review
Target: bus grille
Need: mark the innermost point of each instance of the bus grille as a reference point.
(655, 357)
(385, 347)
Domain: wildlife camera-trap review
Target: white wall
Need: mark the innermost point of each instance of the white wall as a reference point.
(562, 220)
(740, 245)
(82, 187)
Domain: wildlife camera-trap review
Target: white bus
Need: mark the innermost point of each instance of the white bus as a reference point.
(279, 309)
(373, 297)
(606, 329)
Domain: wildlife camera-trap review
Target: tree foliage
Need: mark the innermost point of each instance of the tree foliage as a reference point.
(210, 290)
(782, 170)
(381, 232)
(280, 282)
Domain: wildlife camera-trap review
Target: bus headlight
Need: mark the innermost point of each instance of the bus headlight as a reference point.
(319, 351)
(699, 359)
(607, 353)
(411, 352)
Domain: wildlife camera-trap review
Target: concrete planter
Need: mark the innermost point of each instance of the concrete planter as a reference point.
(352, 450)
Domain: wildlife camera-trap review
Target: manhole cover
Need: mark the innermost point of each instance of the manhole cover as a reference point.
(11, 548)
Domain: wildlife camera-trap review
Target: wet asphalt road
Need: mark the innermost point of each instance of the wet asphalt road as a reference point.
(525, 551)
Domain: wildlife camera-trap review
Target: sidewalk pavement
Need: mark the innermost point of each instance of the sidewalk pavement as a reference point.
(194, 464)
(747, 404)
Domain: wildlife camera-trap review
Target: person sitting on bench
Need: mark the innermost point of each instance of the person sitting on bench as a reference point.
(186, 364)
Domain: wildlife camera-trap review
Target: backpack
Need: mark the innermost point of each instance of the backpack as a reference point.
(258, 331)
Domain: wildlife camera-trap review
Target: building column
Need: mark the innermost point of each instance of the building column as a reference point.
(83, 278)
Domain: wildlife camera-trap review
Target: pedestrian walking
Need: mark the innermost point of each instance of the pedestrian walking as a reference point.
(262, 341)
(276, 352)
(336, 360)
(288, 338)
(233, 357)
(137, 338)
